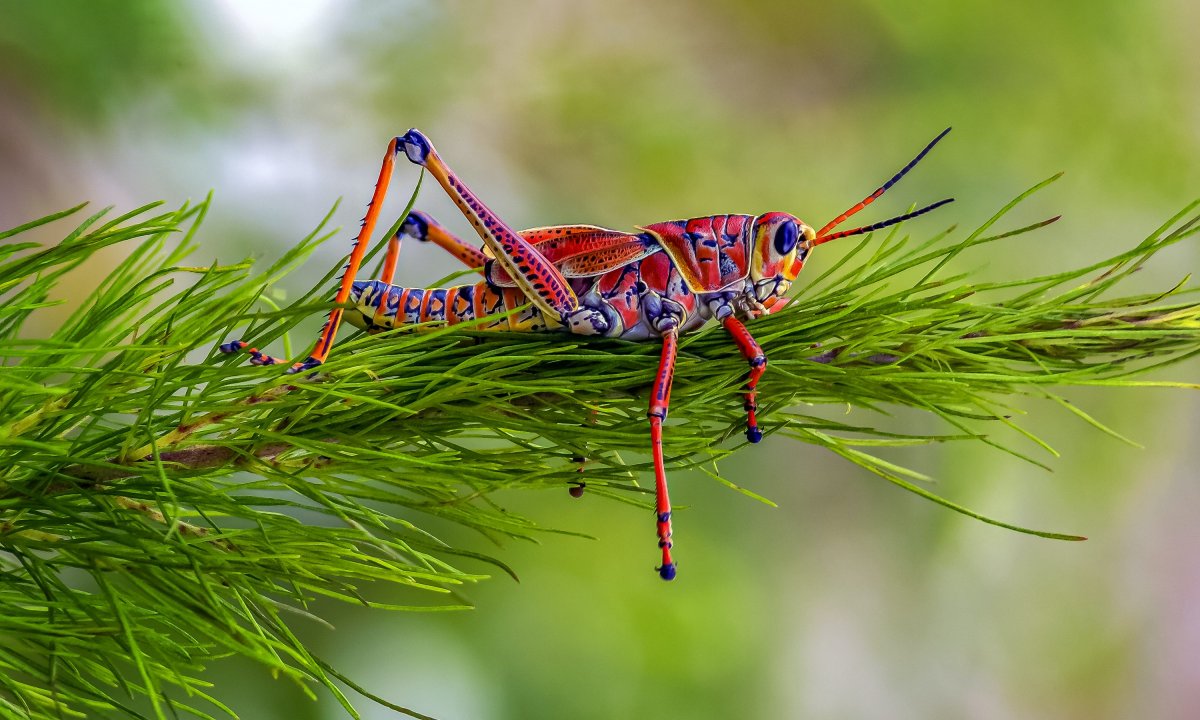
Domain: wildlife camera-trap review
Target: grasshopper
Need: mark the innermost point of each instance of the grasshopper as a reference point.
(651, 285)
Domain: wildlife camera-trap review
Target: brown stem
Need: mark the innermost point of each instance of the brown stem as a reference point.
(193, 458)
(185, 430)
(197, 457)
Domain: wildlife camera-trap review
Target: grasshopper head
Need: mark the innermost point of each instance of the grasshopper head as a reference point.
(781, 242)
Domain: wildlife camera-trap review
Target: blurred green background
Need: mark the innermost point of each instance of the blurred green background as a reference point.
(852, 599)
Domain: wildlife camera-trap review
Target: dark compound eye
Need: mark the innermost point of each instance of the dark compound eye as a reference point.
(786, 236)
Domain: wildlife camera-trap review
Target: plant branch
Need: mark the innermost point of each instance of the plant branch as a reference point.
(198, 497)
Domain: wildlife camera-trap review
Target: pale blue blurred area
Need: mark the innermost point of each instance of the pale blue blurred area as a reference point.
(850, 600)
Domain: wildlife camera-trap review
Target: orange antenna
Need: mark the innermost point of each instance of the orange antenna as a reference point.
(823, 232)
(869, 228)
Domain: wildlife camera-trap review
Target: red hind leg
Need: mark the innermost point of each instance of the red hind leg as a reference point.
(758, 365)
(386, 274)
(324, 343)
(329, 330)
(660, 400)
(538, 279)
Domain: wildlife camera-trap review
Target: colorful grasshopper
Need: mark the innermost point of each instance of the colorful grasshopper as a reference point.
(669, 278)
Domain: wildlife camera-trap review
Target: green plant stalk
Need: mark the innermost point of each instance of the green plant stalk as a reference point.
(160, 504)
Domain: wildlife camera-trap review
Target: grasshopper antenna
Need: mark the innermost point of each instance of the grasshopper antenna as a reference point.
(824, 234)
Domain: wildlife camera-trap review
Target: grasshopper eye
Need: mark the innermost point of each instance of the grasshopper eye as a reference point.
(785, 237)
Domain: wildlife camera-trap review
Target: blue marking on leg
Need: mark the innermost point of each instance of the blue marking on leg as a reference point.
(416, 226)
(415, 145)
(667, 571)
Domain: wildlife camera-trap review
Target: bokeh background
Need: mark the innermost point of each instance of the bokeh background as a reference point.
(852, 599)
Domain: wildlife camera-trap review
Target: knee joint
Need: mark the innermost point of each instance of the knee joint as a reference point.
(416, 226)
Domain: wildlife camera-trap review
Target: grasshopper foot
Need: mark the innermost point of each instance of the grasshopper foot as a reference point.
(666, 571)
(257, 357)
(308, 364)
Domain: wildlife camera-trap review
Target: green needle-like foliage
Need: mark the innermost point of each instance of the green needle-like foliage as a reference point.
(162, 505)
